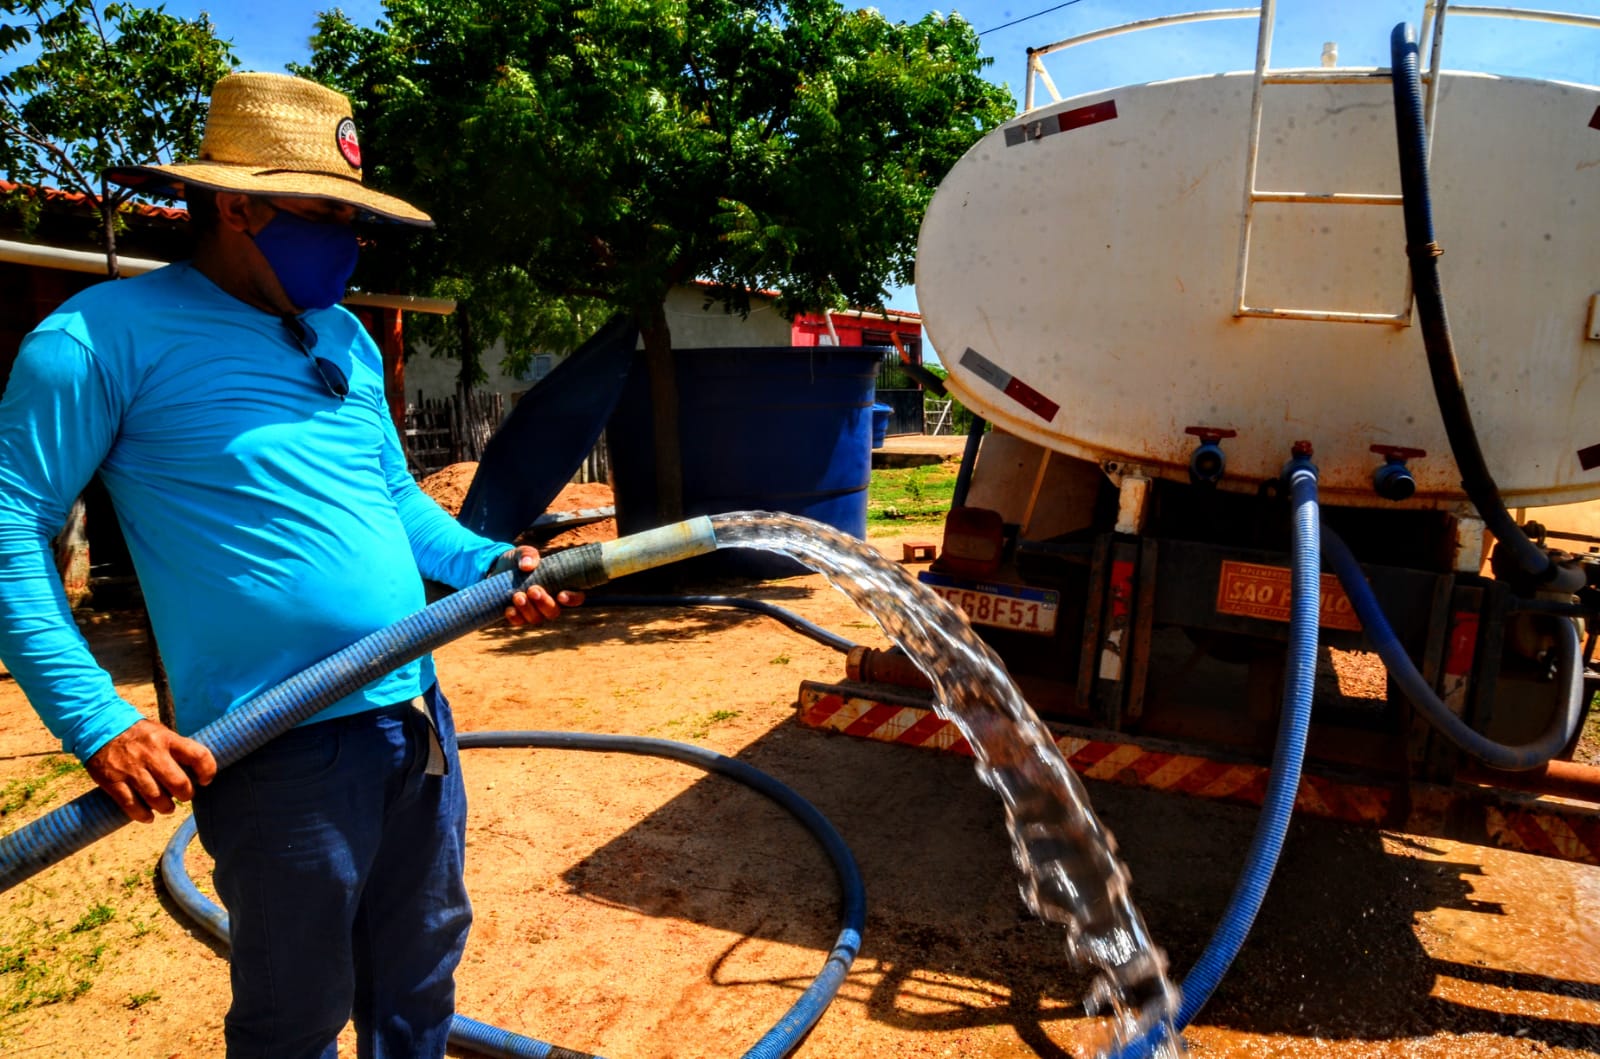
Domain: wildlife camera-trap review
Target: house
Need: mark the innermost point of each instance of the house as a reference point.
(893, 329)
(898, 332)
(695, 323)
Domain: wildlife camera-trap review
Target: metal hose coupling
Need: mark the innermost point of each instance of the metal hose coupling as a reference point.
(657, 547)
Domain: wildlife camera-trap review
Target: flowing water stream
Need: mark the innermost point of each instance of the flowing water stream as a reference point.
(1071, 874)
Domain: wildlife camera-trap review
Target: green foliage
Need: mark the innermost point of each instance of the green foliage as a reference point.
(913, 495)
(96, 88)
(599, 152)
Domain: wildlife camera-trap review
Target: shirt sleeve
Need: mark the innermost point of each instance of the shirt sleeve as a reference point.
(58, 419)
(444, 549)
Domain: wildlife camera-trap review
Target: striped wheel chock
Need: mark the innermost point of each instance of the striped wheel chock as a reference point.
(1478, 814)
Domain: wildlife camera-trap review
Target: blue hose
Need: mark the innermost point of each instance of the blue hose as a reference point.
(481, 1037)
(253, 724)
(1411, 138)
(759, 606)
(1294, 725)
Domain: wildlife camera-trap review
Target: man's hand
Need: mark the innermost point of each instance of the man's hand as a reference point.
(536, 604)
(148, 766)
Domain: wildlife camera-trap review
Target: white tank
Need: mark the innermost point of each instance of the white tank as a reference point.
(1078, 272)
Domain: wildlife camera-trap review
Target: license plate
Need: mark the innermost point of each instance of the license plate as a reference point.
(1252, 590)
(1002, 606)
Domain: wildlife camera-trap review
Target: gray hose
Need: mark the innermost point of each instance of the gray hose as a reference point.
(1415, 687)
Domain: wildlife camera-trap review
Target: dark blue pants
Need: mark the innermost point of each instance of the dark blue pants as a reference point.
(340, 864)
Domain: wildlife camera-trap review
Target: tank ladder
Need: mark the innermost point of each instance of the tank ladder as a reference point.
(1432, 35)
(1329, 75)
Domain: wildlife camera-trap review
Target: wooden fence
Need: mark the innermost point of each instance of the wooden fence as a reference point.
(446, 430)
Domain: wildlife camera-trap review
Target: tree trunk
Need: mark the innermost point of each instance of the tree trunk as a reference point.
(664, 407)
(108, 224)
(470, 446)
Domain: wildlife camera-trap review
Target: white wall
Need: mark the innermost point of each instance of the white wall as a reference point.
(692, 325)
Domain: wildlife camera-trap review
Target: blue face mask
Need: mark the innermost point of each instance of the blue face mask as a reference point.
(313, 262)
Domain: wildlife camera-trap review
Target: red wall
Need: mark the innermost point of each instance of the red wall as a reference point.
(811, 330)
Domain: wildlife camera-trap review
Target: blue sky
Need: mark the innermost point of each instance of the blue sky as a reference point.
(266, 37)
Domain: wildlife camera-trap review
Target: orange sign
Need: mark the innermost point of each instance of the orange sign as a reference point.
(1252, 590)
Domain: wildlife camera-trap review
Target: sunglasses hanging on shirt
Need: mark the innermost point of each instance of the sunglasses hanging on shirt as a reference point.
(332, 375)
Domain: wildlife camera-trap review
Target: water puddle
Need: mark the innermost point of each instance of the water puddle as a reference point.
(1071, 874)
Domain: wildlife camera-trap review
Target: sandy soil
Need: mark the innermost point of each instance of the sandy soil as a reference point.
(638, 908)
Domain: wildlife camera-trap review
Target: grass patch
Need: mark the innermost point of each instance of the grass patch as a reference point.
(911, 495)
(40, 965)
(39, 788)
(97, 916)
(700, 727)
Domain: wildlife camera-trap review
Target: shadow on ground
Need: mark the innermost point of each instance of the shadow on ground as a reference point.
(948, 945)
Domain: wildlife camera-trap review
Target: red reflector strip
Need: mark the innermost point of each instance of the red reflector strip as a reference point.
(1032, 399)
(1008, 384)
(1589, 458)
(1093, 114)
(1121, 588)
(1463, 644)
(1065, 121)
(1594, 122)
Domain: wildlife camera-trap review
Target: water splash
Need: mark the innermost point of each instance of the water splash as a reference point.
(1070, 871)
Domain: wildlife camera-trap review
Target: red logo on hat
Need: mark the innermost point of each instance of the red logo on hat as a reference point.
(349, 146)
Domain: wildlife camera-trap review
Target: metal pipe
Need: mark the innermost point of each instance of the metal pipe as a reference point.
(1036, 68)
(869, 665)
(1253, 153)
(1151, 23)
(17, 253)
(1525, 14)
(1563, 779)
(969, 459)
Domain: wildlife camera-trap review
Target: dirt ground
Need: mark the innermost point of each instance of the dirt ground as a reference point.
(638, 908)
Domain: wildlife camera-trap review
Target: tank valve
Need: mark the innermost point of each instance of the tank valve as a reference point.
(1300, 454)
(1393, 480)
(1207, 462)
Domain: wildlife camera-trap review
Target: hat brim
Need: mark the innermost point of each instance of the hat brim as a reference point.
(170, 180)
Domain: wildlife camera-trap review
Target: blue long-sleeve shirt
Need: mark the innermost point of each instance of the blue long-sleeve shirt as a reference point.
(270, 523)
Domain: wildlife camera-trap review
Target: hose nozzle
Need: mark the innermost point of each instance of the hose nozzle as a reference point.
(590, 565)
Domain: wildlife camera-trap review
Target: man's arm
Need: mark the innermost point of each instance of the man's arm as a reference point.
(58, 419)
(447, 551)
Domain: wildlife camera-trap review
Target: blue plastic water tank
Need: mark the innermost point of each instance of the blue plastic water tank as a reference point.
(772, 428)
(880, 424)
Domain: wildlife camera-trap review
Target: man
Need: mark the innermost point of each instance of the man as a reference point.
(236, 415)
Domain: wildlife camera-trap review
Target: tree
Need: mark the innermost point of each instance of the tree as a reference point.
(614, 149)
(122, 86)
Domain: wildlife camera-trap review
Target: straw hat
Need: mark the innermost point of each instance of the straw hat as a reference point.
(272, 134)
